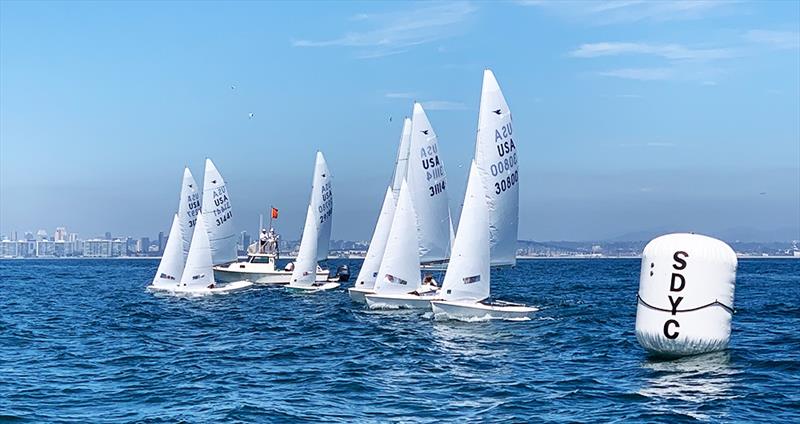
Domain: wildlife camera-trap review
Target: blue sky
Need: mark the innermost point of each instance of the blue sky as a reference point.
(631, 116)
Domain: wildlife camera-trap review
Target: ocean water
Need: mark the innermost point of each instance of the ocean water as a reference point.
(82, 341)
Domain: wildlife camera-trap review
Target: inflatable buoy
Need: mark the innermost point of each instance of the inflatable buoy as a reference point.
(685, 300)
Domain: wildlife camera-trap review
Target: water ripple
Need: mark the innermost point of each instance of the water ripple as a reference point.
(83, 341)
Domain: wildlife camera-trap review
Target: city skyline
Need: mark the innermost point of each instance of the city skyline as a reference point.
(638, 118)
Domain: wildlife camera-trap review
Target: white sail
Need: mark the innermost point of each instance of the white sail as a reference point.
(467, 277)
(218, 216)
(170, 268)
(198, 273)
(377, 246)
(496, 158)
(322, 202)
(401, 164)
(188, 209)
(426, 179)
(400, 267)
(305, 265)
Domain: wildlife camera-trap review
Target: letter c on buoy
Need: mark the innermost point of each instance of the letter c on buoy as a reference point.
(666, 329)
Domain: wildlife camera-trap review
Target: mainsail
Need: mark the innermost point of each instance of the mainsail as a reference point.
(400, 267)
(496, 159)
(427, 182)
(170, 268)
(369, 269)
(198, 273)
(401, 164)
(467, 276)
(304, 273)
(218, 216)
(188, 208)
(322, 202)
(377, 246)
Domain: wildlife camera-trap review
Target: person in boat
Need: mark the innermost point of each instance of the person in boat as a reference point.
(263, 240)
(211, 286)
(429, 281)
(272, 243)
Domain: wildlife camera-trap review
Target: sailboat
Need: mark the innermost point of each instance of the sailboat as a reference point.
(466, 285)
(316, 232)
(398, 284)
(496, 160)
(198, 274)
(372, 262)
(428, 183)
(170, 268)
(218, 216)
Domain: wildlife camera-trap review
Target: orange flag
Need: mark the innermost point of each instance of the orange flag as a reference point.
(274, 213)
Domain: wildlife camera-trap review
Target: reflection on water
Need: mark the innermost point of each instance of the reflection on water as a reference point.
(687, 385)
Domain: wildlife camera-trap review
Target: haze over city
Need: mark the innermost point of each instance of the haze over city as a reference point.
(645, 118)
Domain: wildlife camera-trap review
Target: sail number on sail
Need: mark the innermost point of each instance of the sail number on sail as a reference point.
(222, 206)
(433, 169)
(326, 208)
(193, 203)
(506, 166)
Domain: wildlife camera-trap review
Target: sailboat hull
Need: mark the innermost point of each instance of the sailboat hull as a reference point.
(316, 288)
(399, 301)
(479, 311)
(258, 276)
(359, 295)
(219, 289)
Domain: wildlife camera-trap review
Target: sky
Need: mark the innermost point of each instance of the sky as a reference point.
(631, 116)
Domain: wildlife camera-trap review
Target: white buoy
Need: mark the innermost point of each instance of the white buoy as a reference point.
(685, 300)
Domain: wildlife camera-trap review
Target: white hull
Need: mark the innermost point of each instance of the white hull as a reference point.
(479, 311)
(219, 289)
(359, 295)
(400, 301)
(230, 273)
(320, 287)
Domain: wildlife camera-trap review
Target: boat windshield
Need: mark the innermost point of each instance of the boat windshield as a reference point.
(259, 259)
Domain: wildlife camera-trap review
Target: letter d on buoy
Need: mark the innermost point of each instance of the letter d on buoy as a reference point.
(685, 300)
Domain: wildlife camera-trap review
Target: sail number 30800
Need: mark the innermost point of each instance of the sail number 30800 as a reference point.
(506, 183)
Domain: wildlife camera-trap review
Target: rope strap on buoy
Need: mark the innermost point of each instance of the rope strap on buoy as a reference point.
(714, 303)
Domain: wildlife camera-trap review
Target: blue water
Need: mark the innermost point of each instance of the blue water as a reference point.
(82, 341)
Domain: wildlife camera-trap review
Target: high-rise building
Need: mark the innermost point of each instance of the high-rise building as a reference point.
(145, 245)
(97, 248)
(117, 248)
(9, 249)
(41, 235)
(29, 236)
(108, 235)
(73, 237)
(131, 246)
(14, 236)
(45, 248)
(244, 240)
(61, 234)
(162, 241)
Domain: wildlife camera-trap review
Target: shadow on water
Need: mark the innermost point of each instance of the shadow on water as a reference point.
(685, 386)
